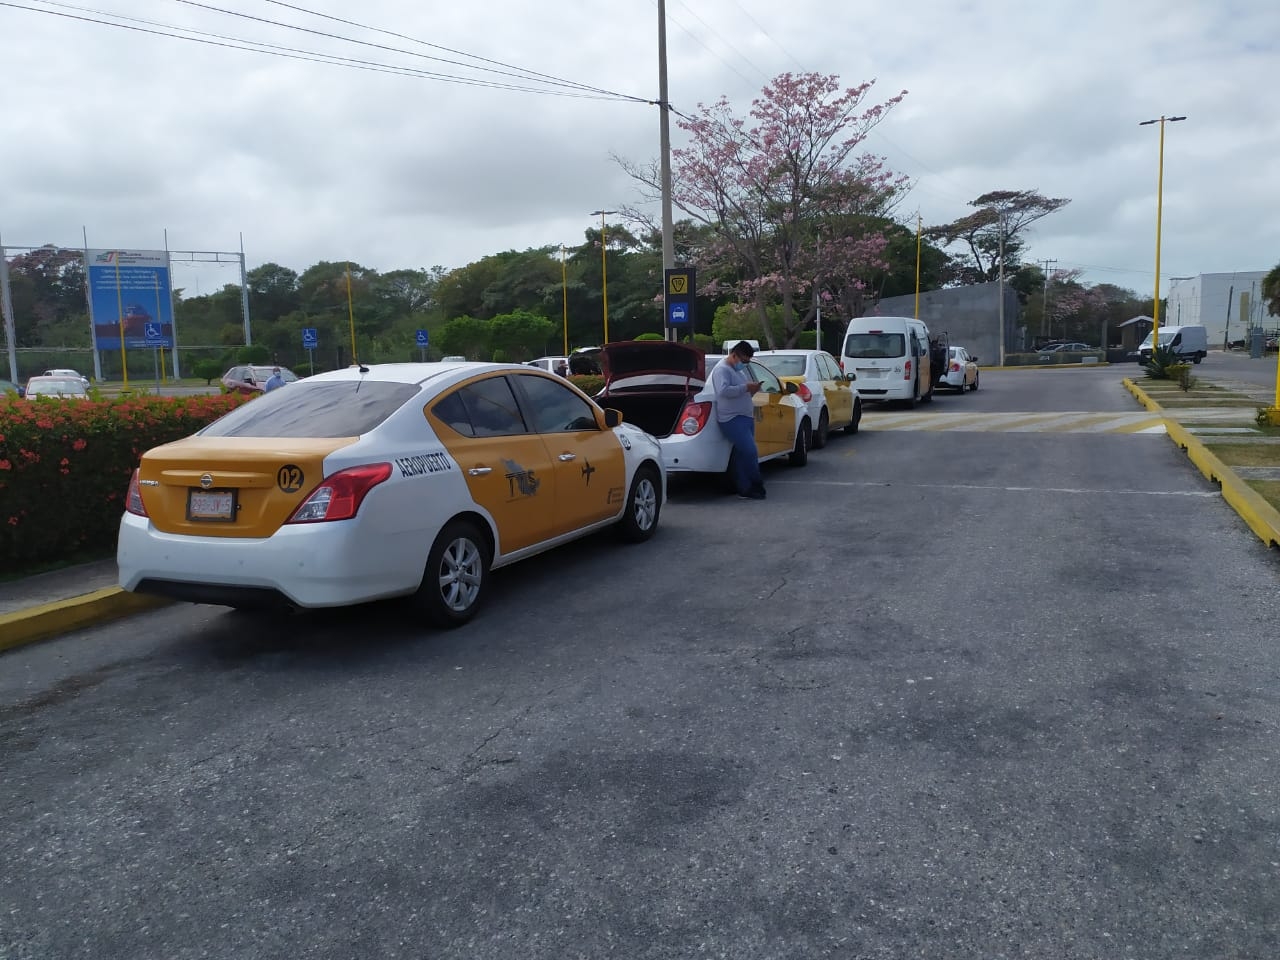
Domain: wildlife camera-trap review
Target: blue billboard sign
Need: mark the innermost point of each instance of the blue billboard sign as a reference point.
(129, 298)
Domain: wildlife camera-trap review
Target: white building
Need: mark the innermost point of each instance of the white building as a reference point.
(1226, 304)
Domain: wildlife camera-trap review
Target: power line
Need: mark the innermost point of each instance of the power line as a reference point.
(293, 53)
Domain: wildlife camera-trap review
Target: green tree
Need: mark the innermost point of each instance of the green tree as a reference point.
(520, 335)
(464, 336)
(995, 228)
(1271, 291)
(273, 292)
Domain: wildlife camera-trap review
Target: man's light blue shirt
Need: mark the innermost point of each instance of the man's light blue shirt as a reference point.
(730, 387)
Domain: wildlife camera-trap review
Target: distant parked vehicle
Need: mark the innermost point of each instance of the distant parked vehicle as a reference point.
(65, 372)
(253, 377)
(962, 370)
(56, 388)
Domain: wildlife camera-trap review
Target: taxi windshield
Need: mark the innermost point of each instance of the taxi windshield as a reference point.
(342, 408)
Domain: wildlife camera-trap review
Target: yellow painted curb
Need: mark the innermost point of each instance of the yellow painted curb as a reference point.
(52, 619)
(1263, 519)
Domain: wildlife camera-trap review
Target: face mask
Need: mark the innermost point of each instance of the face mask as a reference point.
(738, 366)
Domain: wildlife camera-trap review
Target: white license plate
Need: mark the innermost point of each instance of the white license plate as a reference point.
(872, 373)
(211, 505)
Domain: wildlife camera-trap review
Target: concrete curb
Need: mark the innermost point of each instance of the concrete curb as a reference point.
(52, 619)
(1262, 518)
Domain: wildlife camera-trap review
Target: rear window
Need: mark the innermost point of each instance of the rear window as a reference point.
(872, 346)
(348, 408)
(785, 366)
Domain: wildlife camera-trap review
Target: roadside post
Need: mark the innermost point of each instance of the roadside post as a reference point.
(155, 340)
(423, 339)
(310, 341)
(680, 284)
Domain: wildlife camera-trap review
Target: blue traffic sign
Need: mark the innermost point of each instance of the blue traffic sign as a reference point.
(677, 313)
(423, 338)
(153, 334)
(309, 338)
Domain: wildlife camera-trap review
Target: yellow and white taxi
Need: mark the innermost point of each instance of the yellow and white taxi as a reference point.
(411, 479)
(833, 400)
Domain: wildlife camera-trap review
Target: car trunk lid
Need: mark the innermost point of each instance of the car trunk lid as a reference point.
(651, 365)
(245, 487)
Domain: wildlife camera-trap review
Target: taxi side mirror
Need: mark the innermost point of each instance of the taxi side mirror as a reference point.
(788, 387)
(612, 417)
(851, 376)
(973, 358)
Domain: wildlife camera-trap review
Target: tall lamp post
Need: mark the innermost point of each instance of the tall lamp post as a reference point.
(1155, 306)
(604, 268)
(564, 296)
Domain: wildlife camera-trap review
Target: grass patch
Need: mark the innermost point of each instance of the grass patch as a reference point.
(1245, 454)
(1269, 490)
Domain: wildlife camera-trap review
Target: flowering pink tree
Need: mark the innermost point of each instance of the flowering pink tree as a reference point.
(793, 209)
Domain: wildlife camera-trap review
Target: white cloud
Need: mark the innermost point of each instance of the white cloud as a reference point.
(129, 134)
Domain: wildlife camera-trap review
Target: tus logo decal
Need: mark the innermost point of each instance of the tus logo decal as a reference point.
(520, 482)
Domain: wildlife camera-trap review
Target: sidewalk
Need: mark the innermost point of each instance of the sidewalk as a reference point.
(47, 604)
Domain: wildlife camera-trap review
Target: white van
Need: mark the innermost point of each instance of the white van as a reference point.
(890, 355)
(1190, 343)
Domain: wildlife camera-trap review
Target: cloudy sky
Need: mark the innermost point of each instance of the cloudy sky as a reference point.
(128, 133)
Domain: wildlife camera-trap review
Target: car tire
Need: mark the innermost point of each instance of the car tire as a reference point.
(928, 397)
(644, 503)
(799, 455)
(823, 432)
(915, 395)
(456, 578)
(974, 388)
(857, 417)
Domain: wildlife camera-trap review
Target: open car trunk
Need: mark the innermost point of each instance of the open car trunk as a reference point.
(650, 381)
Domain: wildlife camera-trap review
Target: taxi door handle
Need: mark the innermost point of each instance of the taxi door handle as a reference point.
(480, 471)
(566, 457)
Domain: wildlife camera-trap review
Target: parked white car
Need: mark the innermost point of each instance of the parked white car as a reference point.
(832, 398)
(663, 388)
(66, 372)
(962, 370)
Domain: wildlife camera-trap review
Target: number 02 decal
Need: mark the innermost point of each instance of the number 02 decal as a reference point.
(289, 478)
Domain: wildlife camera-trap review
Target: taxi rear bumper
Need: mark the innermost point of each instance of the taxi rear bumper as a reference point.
(312, 565)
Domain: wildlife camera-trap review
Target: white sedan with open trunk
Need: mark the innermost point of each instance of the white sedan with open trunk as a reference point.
(663, 388)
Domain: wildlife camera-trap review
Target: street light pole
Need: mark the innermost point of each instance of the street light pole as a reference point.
(564, 293)
(604, 269)
(664, 110)
(1001, 309)
(1155, 306)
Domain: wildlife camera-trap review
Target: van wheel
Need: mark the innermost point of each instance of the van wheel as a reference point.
(1198, 357)
(928, 397)
(800, 455)
(823, 432)
(915, 396)
(857, 417)
(456, 577)
(644, 503)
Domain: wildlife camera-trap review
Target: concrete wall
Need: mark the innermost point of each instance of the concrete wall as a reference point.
(1204, 300)
(969, 315)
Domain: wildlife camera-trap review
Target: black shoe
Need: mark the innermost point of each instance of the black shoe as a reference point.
(753, 495)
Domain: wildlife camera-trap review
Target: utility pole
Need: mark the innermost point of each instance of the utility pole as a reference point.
(1044, 319)
(664, 131)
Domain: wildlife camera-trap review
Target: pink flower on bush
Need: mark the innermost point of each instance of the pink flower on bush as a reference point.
(79, 445)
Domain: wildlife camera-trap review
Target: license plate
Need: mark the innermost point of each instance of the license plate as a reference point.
(211, 505)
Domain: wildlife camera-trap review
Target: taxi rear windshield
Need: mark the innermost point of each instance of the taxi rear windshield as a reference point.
(346, 408)
(872, 346)
(785, 366)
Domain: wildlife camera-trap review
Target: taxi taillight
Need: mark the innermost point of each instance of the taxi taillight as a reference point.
(339, 497)
(694, 418)
(955, 366)
(133, 499)
(803, 392)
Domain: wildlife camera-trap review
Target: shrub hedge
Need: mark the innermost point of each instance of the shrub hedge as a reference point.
(65, 466)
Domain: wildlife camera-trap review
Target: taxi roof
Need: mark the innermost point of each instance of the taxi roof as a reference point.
(413, 372)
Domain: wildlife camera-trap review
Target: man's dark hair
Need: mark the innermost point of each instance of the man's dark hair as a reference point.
(743, 349)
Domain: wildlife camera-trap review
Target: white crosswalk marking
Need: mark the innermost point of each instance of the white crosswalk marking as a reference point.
(1071, 422)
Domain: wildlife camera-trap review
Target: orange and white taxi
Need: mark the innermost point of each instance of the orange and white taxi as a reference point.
(380, 481)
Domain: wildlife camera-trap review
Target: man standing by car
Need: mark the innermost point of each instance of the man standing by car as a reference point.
(275, 380)
(735, 415)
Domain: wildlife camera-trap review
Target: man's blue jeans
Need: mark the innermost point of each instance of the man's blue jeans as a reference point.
(744, 462)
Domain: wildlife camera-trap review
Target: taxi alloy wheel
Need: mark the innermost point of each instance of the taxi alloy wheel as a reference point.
(800, 455)
(640, 520)
(857, 417)
(823, 431)
(456, 575)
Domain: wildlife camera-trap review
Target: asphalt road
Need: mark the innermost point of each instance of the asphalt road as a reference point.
(973, 691)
